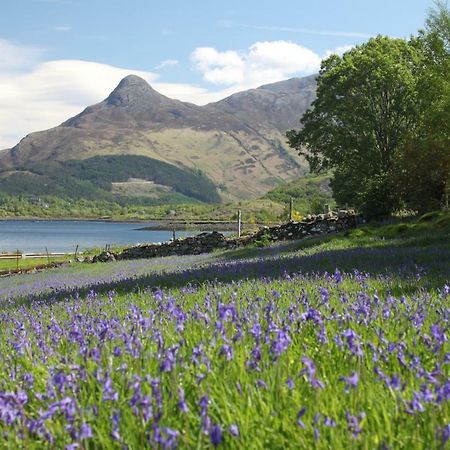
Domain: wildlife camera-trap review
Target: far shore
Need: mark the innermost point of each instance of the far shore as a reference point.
(156, 224)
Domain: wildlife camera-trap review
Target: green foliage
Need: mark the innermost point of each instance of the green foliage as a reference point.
(263, 241)
(365, 108)
(310, 194)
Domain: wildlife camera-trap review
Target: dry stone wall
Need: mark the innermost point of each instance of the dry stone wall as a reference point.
(332, 222)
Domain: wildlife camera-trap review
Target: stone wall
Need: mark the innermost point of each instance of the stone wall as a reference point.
(332, 222)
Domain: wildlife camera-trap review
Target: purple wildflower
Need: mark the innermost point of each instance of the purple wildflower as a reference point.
(351, 381)
(316, 434)
(443, 434)
(108, 392)
(354, 423)
(234, 430)
(261, 383)
(414, 405)
(300, 414)
(85, 431)
(227, 351)
(181, 401)
(216, 435)
(310, 370)
(290, 383)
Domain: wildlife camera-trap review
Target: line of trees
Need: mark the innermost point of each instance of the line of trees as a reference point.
(381, 121)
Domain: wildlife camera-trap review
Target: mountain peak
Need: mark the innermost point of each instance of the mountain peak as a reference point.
(133, 90)
(132, 80)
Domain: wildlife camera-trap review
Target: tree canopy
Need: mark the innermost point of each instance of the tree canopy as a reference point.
(380, 121)
(425, 164)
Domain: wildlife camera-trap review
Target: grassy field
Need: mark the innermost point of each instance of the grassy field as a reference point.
(29, 263)
(332, 343)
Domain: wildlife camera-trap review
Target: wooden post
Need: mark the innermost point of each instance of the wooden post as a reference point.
(17, 262)
(173, 234)
(48, 256)
(76, 252)
(291, 209)
(239, 222)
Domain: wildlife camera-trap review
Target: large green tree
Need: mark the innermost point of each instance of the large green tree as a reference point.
(366, 107)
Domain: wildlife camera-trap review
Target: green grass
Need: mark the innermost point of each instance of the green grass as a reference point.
(390, 291)
(424, 230)
(29, 263)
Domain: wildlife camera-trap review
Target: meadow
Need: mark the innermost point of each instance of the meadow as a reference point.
(337, 342)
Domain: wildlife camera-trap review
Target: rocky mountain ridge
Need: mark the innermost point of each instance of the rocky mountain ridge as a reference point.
(238, 142)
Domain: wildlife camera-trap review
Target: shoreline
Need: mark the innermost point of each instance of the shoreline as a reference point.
(195, 225)
(154, 224)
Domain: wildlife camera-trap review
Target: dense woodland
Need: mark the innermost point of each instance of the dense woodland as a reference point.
(92, 179)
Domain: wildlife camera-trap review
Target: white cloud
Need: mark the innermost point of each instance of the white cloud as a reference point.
(62, 28)
(263, 62)
(167, 63)
(338, 50)
(219, 67)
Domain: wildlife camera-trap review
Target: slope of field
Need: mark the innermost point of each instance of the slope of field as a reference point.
(324, 343)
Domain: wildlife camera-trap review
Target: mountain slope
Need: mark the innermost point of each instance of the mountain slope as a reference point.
(278, 105)
(238, 143)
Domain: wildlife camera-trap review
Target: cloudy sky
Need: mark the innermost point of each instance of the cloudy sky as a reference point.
(58, 56)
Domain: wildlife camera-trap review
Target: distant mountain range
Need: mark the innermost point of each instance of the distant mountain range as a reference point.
(139, 143)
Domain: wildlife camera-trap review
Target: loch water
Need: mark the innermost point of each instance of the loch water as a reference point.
(35, 236)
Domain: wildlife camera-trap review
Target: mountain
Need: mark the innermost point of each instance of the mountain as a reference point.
(234, 148)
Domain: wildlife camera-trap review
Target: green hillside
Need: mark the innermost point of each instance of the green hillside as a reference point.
(310, 194)
(92, 179)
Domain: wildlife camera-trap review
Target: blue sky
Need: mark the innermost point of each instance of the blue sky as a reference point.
(58, 56)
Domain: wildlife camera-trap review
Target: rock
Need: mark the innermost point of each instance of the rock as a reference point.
(104, 257)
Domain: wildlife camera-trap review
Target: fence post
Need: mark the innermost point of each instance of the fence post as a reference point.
(239, 222)
(48, 256)
(76, 251)
(17, 262)
(173, 235)
(291, 209)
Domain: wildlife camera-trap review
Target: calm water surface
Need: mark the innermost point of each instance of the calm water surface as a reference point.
(63, 236)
